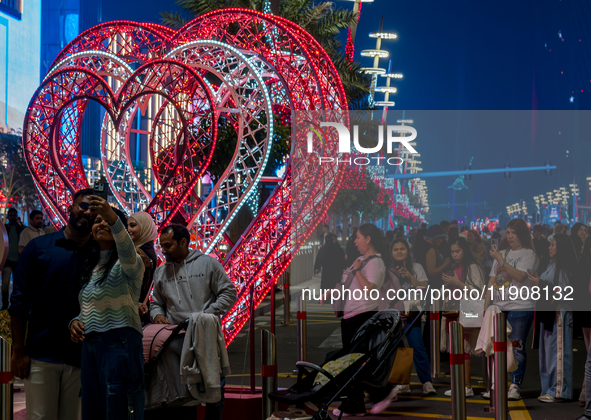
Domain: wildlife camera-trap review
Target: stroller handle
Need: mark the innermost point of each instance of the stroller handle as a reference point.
(304, 365)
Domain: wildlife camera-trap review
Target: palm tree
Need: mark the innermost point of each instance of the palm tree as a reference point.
(321, 20)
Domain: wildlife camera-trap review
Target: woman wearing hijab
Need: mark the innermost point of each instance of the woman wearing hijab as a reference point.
(143, 232)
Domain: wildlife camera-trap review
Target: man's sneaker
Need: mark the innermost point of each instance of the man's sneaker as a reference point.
(547, 398)
(428, 388)
(402, 389)
(337, 413)
(513, 394)
(380, 407)
(469, 393)
(486, 395)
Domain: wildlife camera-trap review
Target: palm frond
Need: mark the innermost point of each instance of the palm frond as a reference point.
(173, 20)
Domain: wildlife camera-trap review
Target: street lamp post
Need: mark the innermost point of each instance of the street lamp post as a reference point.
(376, 54)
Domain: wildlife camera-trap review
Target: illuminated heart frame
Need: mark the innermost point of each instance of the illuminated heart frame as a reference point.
(261, 64)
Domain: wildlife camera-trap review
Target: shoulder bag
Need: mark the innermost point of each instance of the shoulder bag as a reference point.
(339, 305)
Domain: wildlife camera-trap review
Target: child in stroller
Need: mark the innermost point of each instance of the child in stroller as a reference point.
(369, 360)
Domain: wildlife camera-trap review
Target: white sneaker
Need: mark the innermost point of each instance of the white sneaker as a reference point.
(486, 395)
(403, 389)
(385, 403)
(428, 388)
(547, 398)
(513, 393)
(337, 413)
(469, 393)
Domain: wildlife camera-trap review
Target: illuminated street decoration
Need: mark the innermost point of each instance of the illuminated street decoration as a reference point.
(236, 64)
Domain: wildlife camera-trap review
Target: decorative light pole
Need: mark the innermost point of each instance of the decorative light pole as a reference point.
(376, 54)
(574, 189)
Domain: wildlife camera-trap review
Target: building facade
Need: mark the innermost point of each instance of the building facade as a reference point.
(20, 54)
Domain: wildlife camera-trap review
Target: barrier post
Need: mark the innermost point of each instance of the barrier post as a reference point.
(286, 299)
(6, 402)
(273, 308)
(500, 384)
(268, 370)
(490, 386)
(484, 380)
(456, 363)
(302, 338)
(251, 338)
(435, 319)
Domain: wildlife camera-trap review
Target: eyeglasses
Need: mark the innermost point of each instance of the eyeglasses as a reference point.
(84, 206)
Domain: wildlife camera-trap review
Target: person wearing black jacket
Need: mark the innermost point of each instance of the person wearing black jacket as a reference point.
(13, 230)
(331, 261)
(44, 300)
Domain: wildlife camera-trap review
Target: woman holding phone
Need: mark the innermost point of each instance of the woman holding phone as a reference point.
(468, 274)
(109, 327)
(412, 275)
(556, 322)
(510, 268)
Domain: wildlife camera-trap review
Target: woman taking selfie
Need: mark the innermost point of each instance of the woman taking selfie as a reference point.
(465, 272)
(112, 371)
(556, 322)
(412, 275)
(510, 268)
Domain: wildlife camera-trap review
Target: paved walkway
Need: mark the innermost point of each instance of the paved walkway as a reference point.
(324, 336)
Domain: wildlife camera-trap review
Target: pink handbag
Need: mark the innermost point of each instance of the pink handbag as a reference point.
(155, 335)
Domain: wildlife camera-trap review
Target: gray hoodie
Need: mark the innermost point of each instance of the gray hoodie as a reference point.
(208, 288)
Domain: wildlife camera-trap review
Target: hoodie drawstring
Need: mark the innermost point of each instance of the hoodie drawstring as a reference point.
(176, 282)
(187, 274)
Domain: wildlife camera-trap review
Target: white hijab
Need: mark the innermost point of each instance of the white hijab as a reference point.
(148, 229)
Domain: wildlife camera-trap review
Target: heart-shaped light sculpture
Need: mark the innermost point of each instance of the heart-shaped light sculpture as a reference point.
(236, 64)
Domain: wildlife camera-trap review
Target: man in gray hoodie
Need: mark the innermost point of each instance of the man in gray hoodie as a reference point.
(189, 282)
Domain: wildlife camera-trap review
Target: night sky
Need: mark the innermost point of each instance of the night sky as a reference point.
(466, 55)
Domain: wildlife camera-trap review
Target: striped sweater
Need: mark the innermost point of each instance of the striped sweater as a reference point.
(114, 303)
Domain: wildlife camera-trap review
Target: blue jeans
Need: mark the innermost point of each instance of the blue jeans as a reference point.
(520, 322)
(112, 376)
(559, 386)
(419, 354)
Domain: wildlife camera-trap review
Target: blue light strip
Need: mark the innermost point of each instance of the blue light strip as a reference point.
(470, 172)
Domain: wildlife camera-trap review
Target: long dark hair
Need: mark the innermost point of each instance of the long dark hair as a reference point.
(467, 259)
(408, 263)
(522, 232)
(419, 245)
(574, 236)
(565, 258)
(378, 241)
(584, 267)
(94, 255)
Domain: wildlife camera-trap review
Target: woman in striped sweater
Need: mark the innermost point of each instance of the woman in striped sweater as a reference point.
(112, 376)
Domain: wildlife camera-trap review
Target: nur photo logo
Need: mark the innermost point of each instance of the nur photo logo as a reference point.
(394, 135)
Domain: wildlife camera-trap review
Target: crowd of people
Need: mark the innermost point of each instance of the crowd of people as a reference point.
(445, 255)
(79, 308)
(80, 302)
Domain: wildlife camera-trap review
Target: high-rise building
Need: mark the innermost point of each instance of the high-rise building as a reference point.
(20, 55)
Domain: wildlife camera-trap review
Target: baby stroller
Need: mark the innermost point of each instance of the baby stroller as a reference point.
(377, 340)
